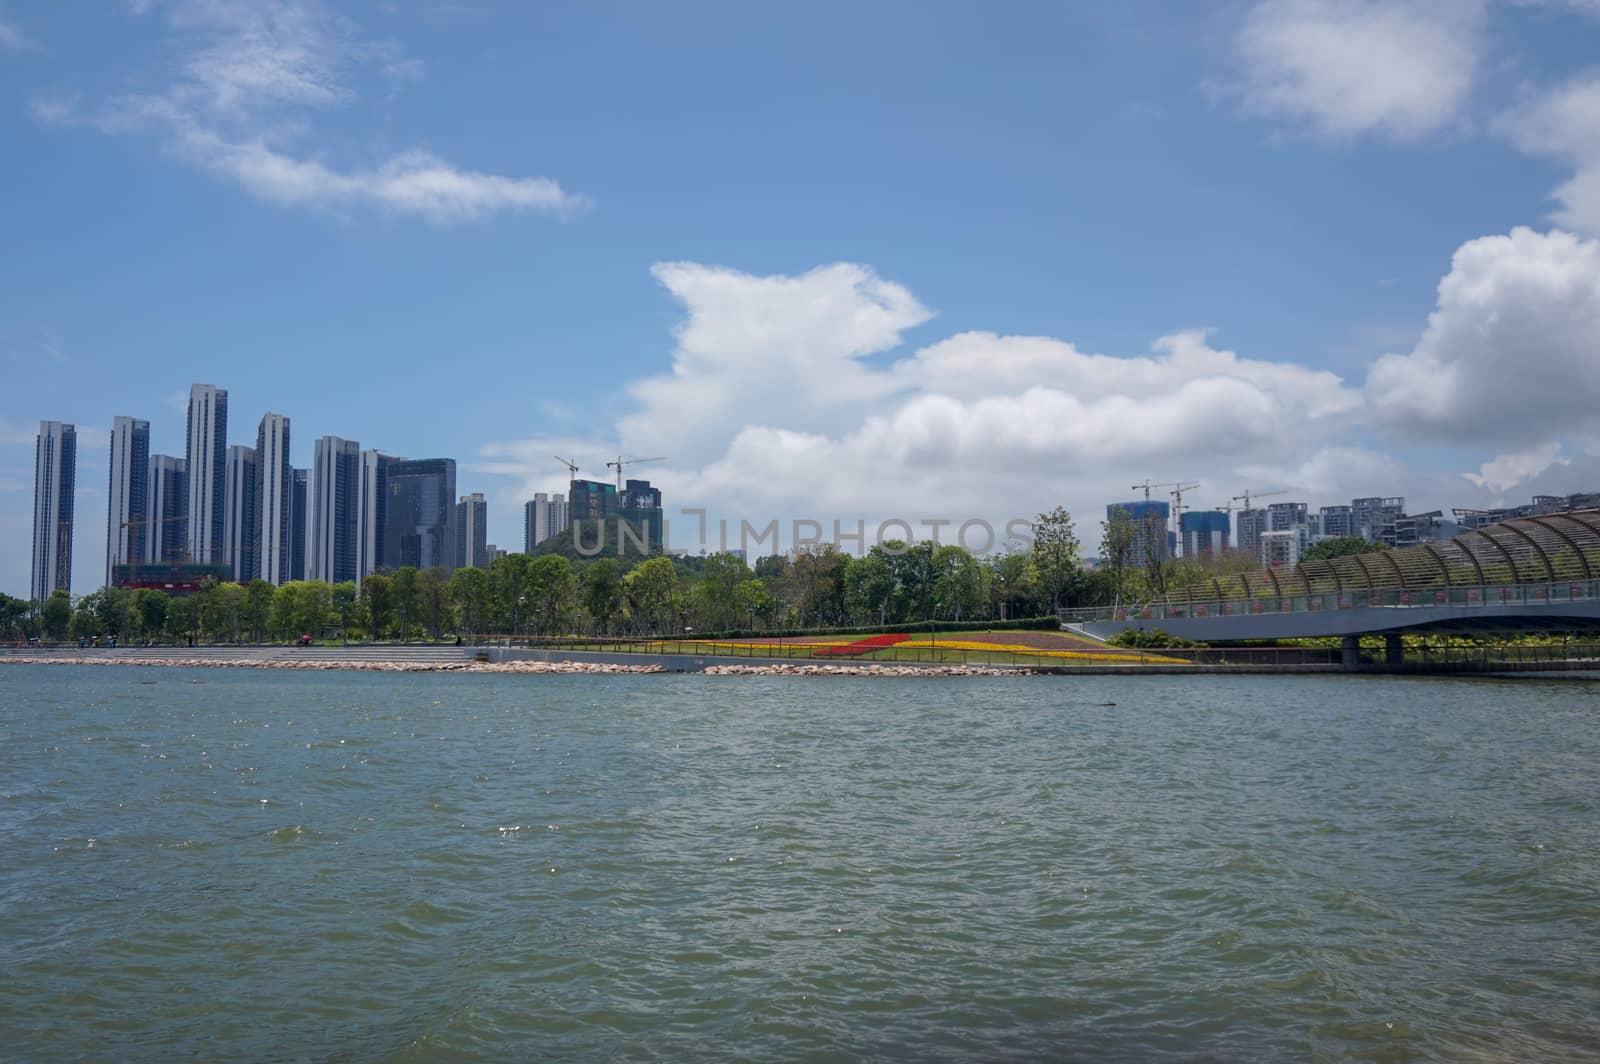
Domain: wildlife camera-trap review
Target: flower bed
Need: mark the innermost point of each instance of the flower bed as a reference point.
(860, 646)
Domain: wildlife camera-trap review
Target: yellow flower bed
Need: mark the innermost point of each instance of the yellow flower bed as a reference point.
(1037, 652)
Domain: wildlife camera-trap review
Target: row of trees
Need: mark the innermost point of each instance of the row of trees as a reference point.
(894, 583)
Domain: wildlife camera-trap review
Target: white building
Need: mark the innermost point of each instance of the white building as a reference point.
(274, 503)
(206, 452)
(168, 495)
(545, 516)
(127, 494)
(472, 517)
(372, 509)
(333, 540)
(55, 471)
(239, 518)
(1280, 549)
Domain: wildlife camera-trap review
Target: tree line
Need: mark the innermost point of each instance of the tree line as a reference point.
(816, 586)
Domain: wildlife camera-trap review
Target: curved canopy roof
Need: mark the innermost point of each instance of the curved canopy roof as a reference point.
(1525, 550)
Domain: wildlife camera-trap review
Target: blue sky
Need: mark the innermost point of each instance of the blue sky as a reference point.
(833, 260)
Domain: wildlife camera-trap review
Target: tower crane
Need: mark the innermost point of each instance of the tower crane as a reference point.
(1178, 488)
(572, 467)
(621, 462)
(1247, 496)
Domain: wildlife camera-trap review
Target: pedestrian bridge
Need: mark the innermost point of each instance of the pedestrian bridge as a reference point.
(1528, 574)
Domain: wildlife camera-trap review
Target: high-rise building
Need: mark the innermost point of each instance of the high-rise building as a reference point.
(472, 514)
(299, 522)
(1337, 522)
(591, 500)
(1150, 535)
(1203, 532)
(127, 494)
(164, 513)
(274, 501)
(55, 472)
(1248, 525)
(542, 517)
(492, 552)
(374, 506)
(641, 507)
(420, 525)
(206, 451)
(1371, 515)
(1286, 516)
(335, 511)
(239, 519)
(1280, 549)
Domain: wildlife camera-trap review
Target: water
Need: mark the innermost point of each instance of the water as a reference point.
(265, 865)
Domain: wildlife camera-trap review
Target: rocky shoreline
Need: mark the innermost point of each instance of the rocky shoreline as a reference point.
(519, 667)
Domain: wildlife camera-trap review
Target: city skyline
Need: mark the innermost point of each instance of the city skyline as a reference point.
(956, 262)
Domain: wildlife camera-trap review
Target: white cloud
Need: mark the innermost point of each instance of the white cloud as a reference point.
(233, 108)
(13, 39)
(784, 349)
(1402, 68)
(1510, 354)
(1564, 124)
(1508, 470)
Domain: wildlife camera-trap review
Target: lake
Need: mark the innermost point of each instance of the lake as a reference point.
(270, 865)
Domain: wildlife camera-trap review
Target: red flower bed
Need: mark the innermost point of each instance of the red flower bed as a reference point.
(859, 647)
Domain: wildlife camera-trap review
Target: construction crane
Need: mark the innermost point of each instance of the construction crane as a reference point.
(1178, 488)
(1247, 496)
(572, 467)
(1146, 486)
(621, 462)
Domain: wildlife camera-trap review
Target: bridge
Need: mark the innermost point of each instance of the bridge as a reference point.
(1527, 574)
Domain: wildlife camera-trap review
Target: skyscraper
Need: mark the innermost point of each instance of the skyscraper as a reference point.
(55, 471)
(274, 500)
(239, 521)
(592, 499)
(641, 507)
(335, 511)
(472, 515)
(420, 524)
(206, 450)
(1248, 526)
(299, 522)
(169, 494)
(1150, 529)
(128, 493)
(374, 506)
(1203, 532)
(542, 517)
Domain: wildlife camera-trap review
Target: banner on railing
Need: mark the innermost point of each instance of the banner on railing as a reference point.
(1474, 595)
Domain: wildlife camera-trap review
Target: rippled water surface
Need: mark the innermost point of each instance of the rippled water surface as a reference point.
(267, 865)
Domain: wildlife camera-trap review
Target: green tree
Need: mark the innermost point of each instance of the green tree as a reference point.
(868, 588)
(56, 615)
(407, 600)
(345, 595)
(377, 595)
(84, 624)
(469, 589)
(1055, 553)
(508, 591)
(258, 609)
(551, 589)
(433, 596)
(313, 608)
(651, 590)
(150, 607)
(1118, 533)
(715, 601)
(13, 617)
(602, 592)
(222, 608)
(1340, 547)
(1012, 586)
(183, 618)
(959, 585)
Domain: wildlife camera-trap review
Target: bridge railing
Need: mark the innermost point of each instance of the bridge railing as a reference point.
(1458, 595)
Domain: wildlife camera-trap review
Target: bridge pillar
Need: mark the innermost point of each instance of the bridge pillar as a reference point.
(1350, 651)
(1394, 652)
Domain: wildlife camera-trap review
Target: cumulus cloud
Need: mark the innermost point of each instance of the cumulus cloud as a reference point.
(1508, 470)
(250, 70)
(785, 348)
(1400, 68)
(1509, 355)
(1564, 123)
